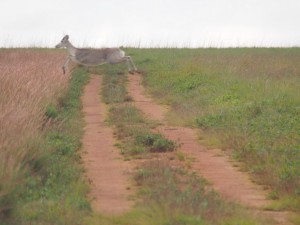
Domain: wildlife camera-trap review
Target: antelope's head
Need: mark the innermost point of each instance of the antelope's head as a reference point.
(63, 42)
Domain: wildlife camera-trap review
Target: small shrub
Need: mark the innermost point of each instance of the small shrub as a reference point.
(155, 142)
(51, 112)
(273, 195)
(180, 156)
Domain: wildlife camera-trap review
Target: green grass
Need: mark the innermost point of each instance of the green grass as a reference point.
(247, 100)
(54, 188)
(114, 89)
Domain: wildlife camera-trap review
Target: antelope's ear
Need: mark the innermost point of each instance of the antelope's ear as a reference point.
(66, 37)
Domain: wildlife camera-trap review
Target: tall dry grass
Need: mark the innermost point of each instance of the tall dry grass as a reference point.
(29, 80)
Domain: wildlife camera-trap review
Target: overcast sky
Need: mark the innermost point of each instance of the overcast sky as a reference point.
(146, 23)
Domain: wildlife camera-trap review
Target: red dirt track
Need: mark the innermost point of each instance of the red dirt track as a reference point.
(105, 168)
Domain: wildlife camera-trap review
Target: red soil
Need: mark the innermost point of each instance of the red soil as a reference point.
(105, 169)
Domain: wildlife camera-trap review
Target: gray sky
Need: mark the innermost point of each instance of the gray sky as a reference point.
(145, 23)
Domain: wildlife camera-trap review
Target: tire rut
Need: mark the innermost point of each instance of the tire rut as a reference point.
(105, 168)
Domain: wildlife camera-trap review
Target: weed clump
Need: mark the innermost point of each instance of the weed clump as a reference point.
(155, 142)
(51, 112)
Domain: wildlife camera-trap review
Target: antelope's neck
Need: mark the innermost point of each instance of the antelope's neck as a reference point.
(71, 49)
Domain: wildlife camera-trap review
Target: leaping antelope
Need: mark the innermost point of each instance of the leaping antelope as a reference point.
(94, 57)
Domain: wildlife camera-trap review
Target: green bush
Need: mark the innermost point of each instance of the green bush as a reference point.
(51, 112)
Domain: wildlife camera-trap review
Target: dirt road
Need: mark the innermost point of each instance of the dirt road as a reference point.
(105, 167)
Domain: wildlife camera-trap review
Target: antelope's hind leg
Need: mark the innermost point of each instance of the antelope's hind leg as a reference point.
(130, 64)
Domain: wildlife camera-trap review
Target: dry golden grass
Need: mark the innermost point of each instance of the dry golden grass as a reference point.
(29, 80)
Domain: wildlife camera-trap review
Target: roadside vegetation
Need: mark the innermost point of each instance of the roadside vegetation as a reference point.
(55, 191)
(41, 179)
(167, 192)
(246, 101)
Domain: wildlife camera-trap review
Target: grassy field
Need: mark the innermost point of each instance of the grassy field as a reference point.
(246, 101)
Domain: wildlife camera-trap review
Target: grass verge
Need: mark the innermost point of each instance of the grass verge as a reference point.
(30, 80)
(54, 190)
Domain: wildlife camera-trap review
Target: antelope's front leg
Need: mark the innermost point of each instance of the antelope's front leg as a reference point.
(65, 64)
